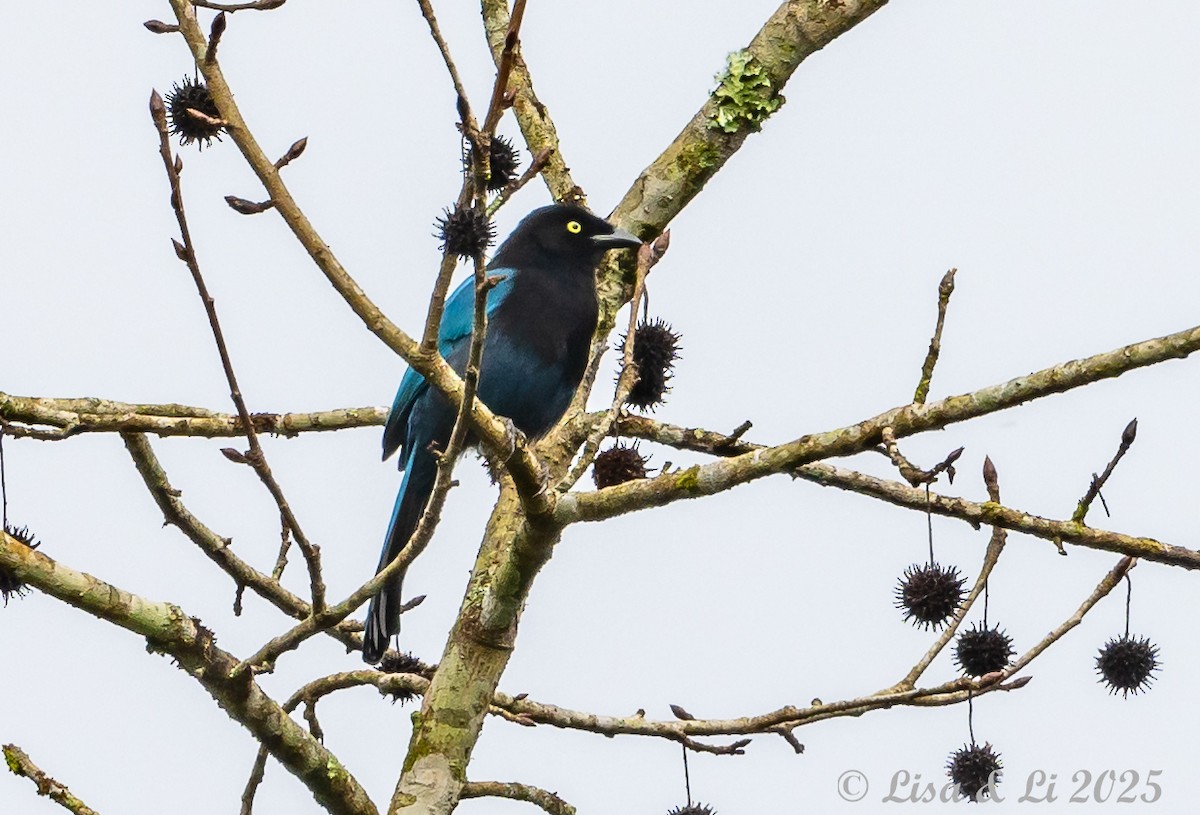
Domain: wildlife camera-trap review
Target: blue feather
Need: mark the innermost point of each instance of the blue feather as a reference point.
(454, 334)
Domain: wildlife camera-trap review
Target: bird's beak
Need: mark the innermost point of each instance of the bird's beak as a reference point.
(619, 239)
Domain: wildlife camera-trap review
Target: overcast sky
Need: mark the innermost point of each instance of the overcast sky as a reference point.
(1046, 150)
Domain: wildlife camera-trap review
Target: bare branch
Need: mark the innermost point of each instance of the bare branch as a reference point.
(685, 731)
(258, 5)
(187, 253)
(263, 660)
(521, 463)
(894, 492)
(169, 629)
(21, 764)
(793, 33)
(70, 417)
(945, 289)
(1098, 481)
(647, 256)
(1110, 581)
(510, 189)
(532, 115)
(504, 68)
(907, 420)
(991, 556)
(435, 30)
(911, 473)
(548, 801)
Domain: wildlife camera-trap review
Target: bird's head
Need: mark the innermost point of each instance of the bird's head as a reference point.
(563, 234)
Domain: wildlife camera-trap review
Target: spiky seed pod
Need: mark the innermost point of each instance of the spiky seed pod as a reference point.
(189, 93)
(618, 464)
(503, 162)
(10, 586)
(655, 349)
(982, 650)
(975, 769)
(929, 594)
(1127, 664)
(396, 663)
(465, 232)
(693, 809)
(406, 663)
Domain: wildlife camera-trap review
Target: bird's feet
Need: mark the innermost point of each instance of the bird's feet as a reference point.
(512, 437)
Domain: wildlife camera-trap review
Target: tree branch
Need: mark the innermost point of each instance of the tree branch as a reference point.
(186, 252)
(168, 629)
(532, 116)
(492, 433)
(21, 764)
(945, 289)
(518, 792)
(903, 495)
(219, 549)
(73, 416)
(907, 420)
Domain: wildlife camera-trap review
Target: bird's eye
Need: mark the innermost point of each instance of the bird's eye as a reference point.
(574, 227)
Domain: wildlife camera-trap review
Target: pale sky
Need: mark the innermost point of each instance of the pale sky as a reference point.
(1048, 151)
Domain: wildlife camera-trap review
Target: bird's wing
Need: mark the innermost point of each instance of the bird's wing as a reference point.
(454, 330)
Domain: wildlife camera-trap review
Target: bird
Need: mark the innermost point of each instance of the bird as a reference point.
(541, 316)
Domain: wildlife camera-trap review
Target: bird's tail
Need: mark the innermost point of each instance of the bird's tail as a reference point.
(383, 615)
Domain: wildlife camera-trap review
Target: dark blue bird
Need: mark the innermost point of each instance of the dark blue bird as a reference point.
(541, 318)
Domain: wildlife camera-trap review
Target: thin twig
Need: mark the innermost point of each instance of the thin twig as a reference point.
(907, 420)
(169, 629)
(255, 457)
(258, 5)
(686, 731)
(474, 184)
(257, 771)
(548, 801)
(902, 495)
(315, 690)
(911, 473)
(263, 660)
(510, 189)
(532, 114)
(1098, 481)
(945, 289)
(508, 53)
(23, 416)
(521, 463)
(21, 764)
(444, 48)
(647, 256)
(990, 557)
(219, 549)
(1107, 584)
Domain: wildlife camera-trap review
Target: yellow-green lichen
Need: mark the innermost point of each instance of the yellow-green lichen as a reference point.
(334, 771)
(696, 157)
(744, 96)
(689, 479)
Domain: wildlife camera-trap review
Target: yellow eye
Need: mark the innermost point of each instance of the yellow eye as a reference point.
(574, 227)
